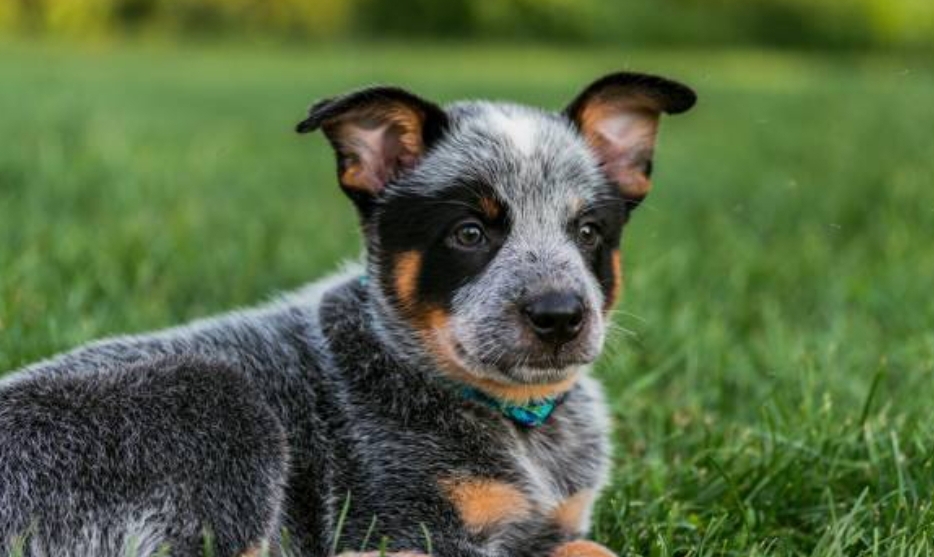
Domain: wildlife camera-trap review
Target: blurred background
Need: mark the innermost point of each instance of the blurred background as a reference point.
(832, 24)
(771, 367)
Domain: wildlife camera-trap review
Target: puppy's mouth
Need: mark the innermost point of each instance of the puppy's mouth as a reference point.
(519, 385)
(540, 368)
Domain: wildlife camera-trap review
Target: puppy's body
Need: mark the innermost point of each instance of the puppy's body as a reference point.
(390, 390)
(267, 419)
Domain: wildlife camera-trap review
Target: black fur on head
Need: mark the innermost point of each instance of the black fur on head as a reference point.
(478, 214)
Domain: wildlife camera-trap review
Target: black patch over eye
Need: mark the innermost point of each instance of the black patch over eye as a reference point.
(469, 235)
(451, 231)
(597, 231)
(588, 235)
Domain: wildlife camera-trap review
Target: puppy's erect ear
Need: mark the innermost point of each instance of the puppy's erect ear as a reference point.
(618, 116)
(377, 134)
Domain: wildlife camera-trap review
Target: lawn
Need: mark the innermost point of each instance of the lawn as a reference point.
(772, 378)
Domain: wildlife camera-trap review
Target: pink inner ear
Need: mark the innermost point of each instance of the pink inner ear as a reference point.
(628, 132)
(377, 151)
(372, 158)
(623, 138)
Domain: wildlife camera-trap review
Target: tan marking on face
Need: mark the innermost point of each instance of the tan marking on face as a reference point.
(617, 262)
(434, 330)
(406, 270)
(519, 394)
(432, 326)
(582, 548)
(436, 319)
(491, 208)
(483, 503)
(573, 514)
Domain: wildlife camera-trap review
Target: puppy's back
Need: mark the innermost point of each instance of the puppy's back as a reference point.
(131, 458)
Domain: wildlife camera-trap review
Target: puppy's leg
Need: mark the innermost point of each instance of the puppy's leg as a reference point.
(133, 460)
(582, 548)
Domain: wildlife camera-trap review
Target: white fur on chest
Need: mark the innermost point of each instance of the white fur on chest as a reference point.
(545, 464)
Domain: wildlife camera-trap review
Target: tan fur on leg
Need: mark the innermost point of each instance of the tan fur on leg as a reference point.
(582, 548)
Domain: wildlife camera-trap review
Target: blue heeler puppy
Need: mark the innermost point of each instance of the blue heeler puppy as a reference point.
(439, 395)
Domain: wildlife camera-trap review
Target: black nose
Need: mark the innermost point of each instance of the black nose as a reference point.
(556, 317)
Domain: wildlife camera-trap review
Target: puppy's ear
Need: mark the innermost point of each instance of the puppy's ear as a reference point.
(377, 134)
(618, 116)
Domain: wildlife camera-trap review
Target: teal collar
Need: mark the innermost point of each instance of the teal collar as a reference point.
(532, 414)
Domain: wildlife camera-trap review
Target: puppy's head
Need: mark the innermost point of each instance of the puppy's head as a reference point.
(493, 229)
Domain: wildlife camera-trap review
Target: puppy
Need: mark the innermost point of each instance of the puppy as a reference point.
(435, 400)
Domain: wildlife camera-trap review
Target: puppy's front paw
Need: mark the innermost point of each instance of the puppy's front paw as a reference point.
(582, 548)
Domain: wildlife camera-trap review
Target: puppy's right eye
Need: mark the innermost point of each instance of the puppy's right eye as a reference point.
(469, 235)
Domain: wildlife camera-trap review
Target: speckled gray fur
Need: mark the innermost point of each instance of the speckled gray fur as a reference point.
(259, 424)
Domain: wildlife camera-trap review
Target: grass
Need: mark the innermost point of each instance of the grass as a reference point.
(774, 396)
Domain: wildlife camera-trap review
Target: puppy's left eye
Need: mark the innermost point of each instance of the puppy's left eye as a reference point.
(469, 235)
(588, 235)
